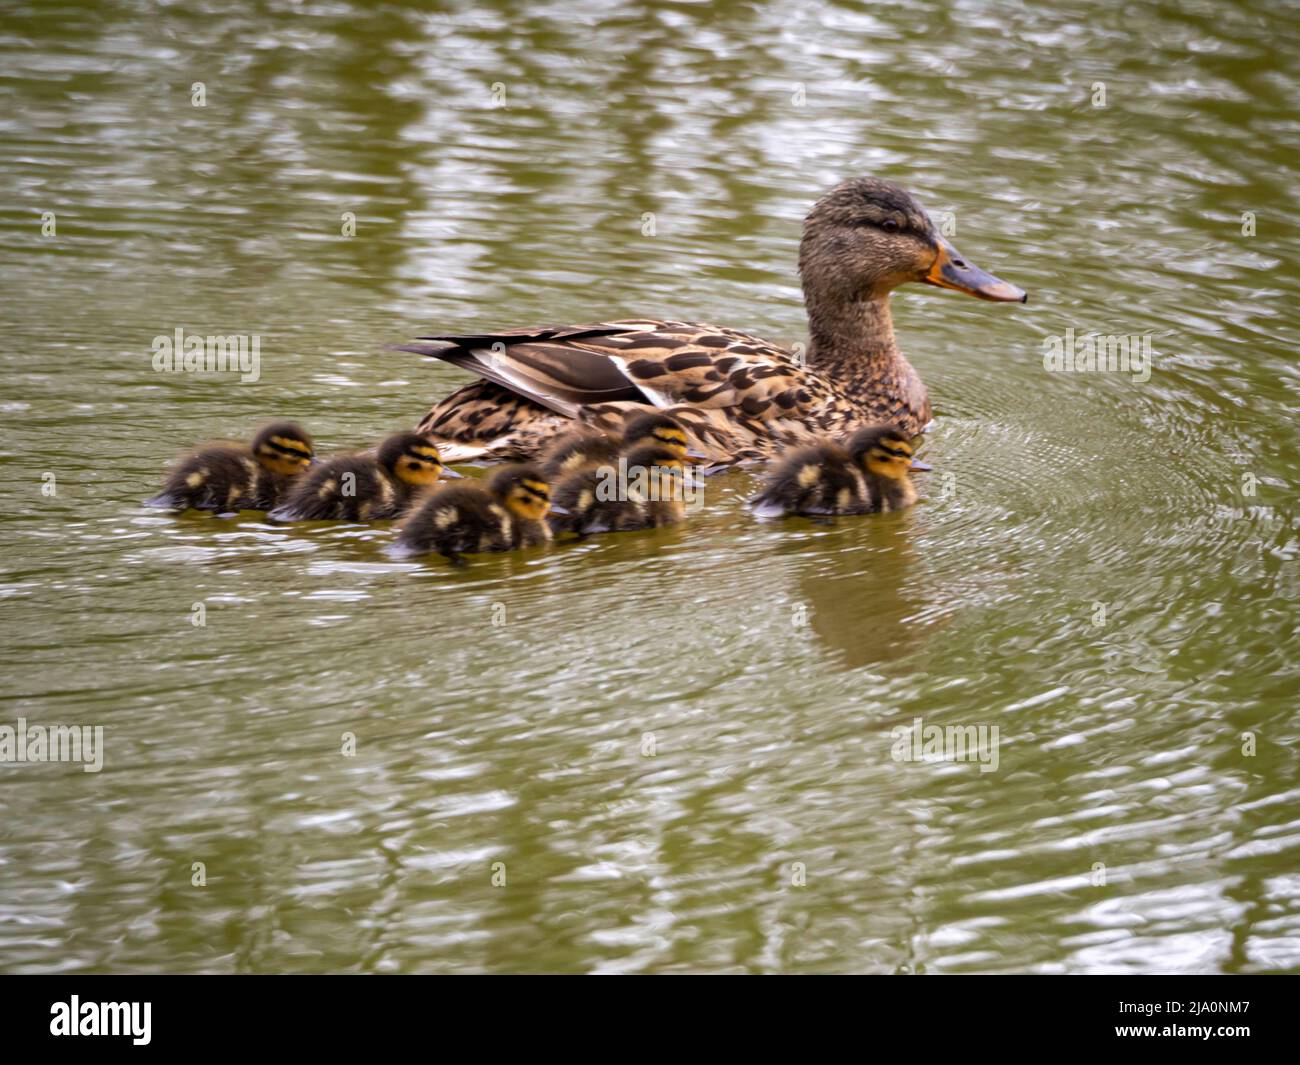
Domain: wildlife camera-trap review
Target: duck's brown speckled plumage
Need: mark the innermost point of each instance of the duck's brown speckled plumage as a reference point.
(739, 396)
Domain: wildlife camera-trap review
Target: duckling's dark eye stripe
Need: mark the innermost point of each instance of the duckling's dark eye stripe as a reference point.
(897, 453)
(285, 449)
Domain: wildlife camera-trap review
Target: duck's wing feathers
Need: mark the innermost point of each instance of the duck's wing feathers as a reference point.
(711, 368)
(562, 368)
(730, 388)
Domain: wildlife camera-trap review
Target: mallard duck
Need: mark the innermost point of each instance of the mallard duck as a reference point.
(869, 472)
(739, 397)
(363, 487)
(226, 477)
(507, 512)
(646, 489)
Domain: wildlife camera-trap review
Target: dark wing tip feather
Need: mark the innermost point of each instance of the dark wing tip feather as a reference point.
(554, 375)
(432, 350)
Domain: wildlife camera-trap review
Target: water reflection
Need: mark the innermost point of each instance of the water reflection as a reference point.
(868, 609)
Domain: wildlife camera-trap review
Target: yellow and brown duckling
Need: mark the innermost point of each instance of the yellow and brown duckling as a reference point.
(226, 477)
(588, 446)
(655, 429)
(577, 450)
(506, 512)
(869, 472)
(364, 487)
(647, 489)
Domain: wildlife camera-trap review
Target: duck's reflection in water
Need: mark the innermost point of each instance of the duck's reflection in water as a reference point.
(864, 601)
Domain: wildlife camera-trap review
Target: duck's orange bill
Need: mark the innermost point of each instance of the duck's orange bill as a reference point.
(951, 270)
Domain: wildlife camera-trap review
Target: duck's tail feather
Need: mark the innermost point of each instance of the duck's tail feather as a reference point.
(527, 376)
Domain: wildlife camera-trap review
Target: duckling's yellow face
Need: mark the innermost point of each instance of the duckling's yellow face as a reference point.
(891, 457)
(529, 499)
(419, 465)
(669, 437)
(284, 454)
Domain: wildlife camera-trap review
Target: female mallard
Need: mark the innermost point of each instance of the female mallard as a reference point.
(738, 396)
(364, 487)
(868, 473)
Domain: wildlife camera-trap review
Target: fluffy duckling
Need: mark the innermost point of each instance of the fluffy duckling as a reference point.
(526, 493)
(507, 512)
(654, 428)
(868, 473)
(573, 451)
(590, 447)
(364, 487)
(663, 469)
(646, 490)
(226, 477)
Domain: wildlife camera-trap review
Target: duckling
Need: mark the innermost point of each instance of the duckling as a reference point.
(455, 520)
(526, 493)
(867, 473)
(507, 512)
(655, 428)
(573, 451)
(226, 477)
(646, 490)
(364, 487)
(591, 447)
(663, 472)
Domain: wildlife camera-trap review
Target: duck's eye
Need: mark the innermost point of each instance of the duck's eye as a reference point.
(889, 225)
